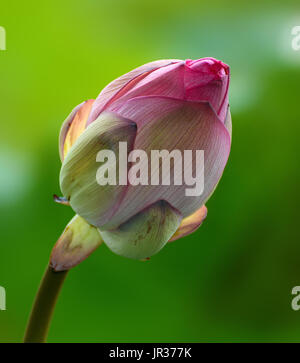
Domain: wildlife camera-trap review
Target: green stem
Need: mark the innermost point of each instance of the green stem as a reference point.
(43, 307)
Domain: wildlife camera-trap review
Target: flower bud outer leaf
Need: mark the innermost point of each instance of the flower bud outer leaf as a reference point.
(76, 243)
(77, 126)
(145, 234)
(78, 182)
(190, 224)
(64, 129)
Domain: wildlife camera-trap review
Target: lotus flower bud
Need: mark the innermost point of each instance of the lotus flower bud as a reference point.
(165, 105)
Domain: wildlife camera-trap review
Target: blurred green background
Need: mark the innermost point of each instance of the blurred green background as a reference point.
(232, 279)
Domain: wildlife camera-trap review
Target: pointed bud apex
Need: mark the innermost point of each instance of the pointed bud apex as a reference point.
(77, 242)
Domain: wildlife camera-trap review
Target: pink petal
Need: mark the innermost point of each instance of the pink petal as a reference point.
(228, 123)
(165, 82)
(166, 123)
(123, 84)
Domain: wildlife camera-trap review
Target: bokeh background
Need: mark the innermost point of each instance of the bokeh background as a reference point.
(230, 281)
